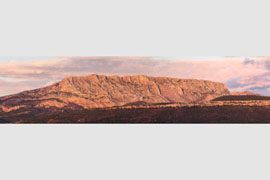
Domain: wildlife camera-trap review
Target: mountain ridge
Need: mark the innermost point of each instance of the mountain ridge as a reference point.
(93, 91)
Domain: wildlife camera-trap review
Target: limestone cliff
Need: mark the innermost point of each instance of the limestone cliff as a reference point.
(105, 91)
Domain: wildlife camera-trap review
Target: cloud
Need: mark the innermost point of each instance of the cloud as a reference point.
(7, 87)
(73, 66)
(239, 73)
(249, 61)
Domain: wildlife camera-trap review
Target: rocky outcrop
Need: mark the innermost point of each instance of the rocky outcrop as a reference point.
(244, 93)
(94, 91)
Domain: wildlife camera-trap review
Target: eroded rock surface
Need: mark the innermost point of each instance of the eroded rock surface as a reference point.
(94, 91)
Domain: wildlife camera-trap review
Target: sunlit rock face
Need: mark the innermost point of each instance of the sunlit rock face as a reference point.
(94, 91)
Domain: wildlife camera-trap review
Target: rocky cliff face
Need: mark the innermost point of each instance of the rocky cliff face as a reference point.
(105, 91)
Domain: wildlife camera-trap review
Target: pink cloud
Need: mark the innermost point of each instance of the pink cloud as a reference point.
(237, 72)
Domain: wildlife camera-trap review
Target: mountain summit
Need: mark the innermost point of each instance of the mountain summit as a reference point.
(94, 91)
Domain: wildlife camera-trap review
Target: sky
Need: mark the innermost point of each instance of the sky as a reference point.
(238, 73)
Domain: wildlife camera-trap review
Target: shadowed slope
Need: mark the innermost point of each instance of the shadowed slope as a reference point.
(242, 98)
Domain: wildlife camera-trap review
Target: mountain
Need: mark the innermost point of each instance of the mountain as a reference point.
(95, 91)
(244, 93)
